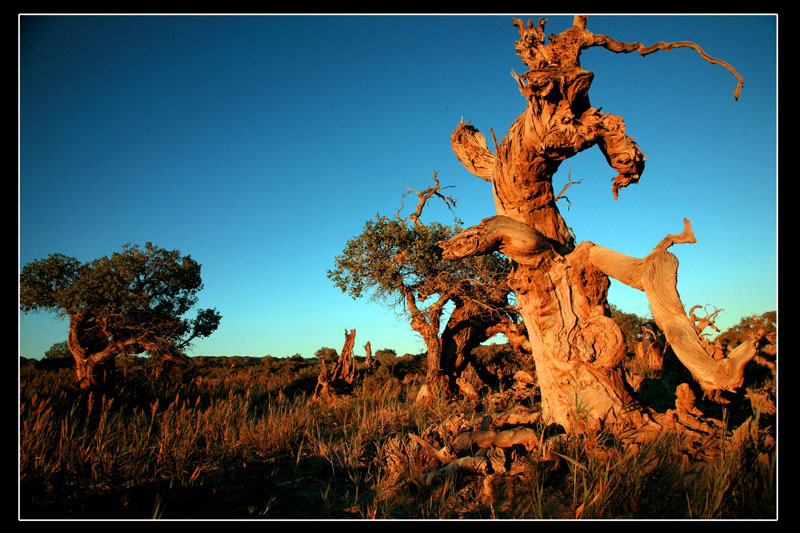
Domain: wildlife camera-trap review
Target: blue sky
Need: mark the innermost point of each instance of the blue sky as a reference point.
(260, 144)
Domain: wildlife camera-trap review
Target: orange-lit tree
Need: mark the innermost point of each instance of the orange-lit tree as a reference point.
(561, 286)
(130, 302)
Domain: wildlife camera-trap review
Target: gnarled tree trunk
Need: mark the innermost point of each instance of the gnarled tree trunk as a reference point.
(469, 326)
(562, 288)
(95, 356)
(342, 375)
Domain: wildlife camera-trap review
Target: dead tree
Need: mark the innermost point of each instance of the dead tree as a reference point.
(561, 286)
(650, 350)
(714, 348)
(340, 377)
(371, 363)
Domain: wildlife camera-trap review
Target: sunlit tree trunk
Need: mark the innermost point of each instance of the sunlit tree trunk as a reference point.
(95, 357)
(562, 288)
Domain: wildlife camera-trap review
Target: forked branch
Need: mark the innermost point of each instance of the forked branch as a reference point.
(569, 184)
(701, 323)
(423, 197)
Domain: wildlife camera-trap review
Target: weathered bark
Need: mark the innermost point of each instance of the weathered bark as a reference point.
(470, 325)
(95, 357)
(341, 376)
(562, 288)
(427, 323)
(657, 277)
(576, 346)
(94, 375)
(368, 355)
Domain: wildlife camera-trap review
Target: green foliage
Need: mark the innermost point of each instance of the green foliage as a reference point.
(632, 325)
(327, 354)
(50, 284)
(385, 356)
(135, 299)
(390, 256)
(748, 326)
(387, 256)
(58, 351)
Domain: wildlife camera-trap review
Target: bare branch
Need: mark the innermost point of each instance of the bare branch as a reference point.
(423, 197)
(687, 236)
(569, 184)
(701, 323)
(494, 139)
(656, 275)
(616, 46)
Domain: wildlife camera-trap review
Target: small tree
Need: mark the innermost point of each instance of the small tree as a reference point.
(131, 302)
(385, 357)
(326, 354)
(58, 351)
(399, 263)
(748, 327)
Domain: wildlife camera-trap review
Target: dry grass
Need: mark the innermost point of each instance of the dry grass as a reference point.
(249, 442)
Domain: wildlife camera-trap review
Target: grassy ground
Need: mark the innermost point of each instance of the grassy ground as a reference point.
(246, 441)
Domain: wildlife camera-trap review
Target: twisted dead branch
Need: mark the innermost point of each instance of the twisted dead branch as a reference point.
(656, 275)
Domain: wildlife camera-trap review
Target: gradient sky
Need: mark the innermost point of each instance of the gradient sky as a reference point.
(260, 144)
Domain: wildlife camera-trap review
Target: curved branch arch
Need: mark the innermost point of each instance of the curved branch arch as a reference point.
(656, 276)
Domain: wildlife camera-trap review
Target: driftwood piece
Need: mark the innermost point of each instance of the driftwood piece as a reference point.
(524, 436)
(467, 389)
(490, 457)
(470, 464)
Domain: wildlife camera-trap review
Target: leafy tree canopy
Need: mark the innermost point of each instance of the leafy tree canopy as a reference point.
(326, 353)
(130, 302)
(747, 326)
(631, 324)
(58, 351)
(390, 257)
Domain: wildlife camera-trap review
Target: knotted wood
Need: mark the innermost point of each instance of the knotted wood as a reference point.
(342, 374)
(562, 287)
